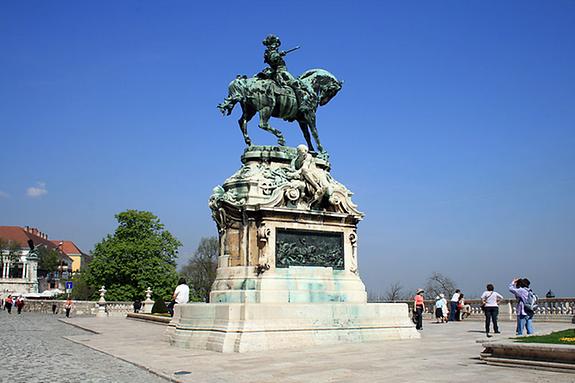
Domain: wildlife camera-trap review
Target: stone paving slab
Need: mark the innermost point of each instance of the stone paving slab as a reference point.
(446, 353)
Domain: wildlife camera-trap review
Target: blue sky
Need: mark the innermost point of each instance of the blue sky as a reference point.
(455, 127)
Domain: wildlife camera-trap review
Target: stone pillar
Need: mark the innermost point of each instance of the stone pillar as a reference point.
(148, 303)
(102, 312)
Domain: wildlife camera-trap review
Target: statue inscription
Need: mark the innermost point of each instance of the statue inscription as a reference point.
(309, 248)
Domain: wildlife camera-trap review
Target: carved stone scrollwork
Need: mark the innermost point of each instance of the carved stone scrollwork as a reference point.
(264, 233)
(353, 241)
(273, 177)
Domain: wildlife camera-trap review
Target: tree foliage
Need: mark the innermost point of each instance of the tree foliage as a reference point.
(10, 251)
(48, 260)
(82, 291)
(438, 283)
(200, 271)
(140, 254)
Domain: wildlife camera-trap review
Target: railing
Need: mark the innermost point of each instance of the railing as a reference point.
(549, 309)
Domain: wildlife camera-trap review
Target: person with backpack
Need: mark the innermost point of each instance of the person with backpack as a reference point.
(525, 304)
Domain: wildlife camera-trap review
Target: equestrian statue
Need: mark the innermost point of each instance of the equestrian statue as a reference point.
(274, 92)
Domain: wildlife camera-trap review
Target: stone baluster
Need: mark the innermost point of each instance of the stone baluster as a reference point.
(102, 311)
(148, 303)
(510, 310)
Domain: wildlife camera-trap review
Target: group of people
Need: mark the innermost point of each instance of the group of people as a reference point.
(9, 302)
(458, 310)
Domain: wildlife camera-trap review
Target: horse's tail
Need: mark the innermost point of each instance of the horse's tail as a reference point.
(235, 95)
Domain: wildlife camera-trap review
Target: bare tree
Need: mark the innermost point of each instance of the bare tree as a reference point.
(438, 283)
(394, 292)
(200, 271)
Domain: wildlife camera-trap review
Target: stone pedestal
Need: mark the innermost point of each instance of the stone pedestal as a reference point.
(288, 272)
(148, 302)
(244, 327)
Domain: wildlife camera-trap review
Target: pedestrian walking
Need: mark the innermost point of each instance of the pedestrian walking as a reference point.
(453, 305)
(68, 306)
(490, 304)
(8, 302)
(520, 288)
(19, 304)
(445, 308)
(438, 309)
(419, 305)
(137, 305)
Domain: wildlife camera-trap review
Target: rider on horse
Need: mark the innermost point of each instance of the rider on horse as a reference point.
(278, 72)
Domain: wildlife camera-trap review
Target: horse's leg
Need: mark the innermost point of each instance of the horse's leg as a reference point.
(305, 130)
(247, 115)
(265, 114)
(311, 122)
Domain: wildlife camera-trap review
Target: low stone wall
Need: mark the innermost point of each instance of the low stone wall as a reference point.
(555, 357)
(90, 308)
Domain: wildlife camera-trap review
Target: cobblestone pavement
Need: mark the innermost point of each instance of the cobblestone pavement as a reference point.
(33, 350)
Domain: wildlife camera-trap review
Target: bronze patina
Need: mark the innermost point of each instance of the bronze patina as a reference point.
(275, 92)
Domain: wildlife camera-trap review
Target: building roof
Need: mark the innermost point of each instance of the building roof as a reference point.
(21, 235)
(68, 247)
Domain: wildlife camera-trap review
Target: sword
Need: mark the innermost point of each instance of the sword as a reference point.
(290, 50)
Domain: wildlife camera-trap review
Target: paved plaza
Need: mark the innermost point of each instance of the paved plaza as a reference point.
(34, 350)
(40, 348)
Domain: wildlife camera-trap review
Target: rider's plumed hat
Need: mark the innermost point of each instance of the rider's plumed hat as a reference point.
(271, 40)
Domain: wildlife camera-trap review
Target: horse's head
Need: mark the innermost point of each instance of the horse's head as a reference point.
(323, 83)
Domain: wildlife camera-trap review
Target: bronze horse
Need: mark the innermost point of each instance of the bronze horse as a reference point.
(270, 100)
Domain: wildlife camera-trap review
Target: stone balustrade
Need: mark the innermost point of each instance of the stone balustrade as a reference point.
(113, 308)
(549, 309)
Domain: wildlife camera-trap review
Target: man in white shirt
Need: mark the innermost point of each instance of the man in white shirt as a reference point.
(453, 305)
(181, 295)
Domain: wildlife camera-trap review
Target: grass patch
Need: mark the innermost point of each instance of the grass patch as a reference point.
(558, 337)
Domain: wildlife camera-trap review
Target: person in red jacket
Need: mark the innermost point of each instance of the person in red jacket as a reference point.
(20, 304)
(8, 302)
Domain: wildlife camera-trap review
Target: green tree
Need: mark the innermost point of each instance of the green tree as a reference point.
(200, 271)
(140, 254)
(82, 290)
(10, 251)
(48, 260)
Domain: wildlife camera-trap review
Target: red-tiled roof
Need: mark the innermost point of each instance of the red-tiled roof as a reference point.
(68, 247)
(21, 235)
